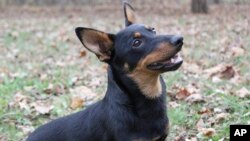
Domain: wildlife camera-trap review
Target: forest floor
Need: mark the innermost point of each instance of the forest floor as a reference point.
(45, 73)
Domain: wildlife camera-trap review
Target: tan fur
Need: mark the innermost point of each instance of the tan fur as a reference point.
(148, 81)
(137, 35)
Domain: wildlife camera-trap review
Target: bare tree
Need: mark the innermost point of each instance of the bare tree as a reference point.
(217, 1)
(199, 6)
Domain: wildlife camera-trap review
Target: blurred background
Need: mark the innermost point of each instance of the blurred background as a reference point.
(46, 73)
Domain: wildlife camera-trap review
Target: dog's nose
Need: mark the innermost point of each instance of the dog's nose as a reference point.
(176, 40)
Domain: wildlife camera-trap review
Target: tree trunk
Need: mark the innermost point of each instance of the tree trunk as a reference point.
(217, 1)
(199, 6)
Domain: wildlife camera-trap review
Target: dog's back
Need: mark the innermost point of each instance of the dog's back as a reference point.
(80, 126)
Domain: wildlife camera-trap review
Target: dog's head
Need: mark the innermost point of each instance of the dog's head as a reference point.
(135, 48)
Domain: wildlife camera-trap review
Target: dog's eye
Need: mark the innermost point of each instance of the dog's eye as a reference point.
(153, 30)
(137, 43)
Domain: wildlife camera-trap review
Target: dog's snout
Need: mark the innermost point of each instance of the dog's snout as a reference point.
(176, 40)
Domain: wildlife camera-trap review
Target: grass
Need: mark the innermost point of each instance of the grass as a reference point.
(44, 54)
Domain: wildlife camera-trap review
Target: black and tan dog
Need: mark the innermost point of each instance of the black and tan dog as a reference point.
(134, 107)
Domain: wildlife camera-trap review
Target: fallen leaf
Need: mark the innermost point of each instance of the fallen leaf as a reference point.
(216, 79)
(182, 94)
(84, 93)
(173, 104)
(49, 89)
(208, 132)
(192, 139)
(20, 100)
(227, 73)
(217, 110)
(41, 107)
(57, 89)
(25, 129)
(195, 98)
(192, 68)
(181, 137)
(14, 34)
(83, 53)
(200, 125)
(237, 51)
(76, 102)
(204, 110)
(222, 71)
(214, 70)
(220, 117)
(243, 93)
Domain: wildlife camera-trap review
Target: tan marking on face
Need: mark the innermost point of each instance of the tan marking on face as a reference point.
(148, 83)
(147, 80)
(137, 35)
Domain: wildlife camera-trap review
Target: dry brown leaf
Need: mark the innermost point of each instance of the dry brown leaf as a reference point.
(83, 53)
(208, 132)
(243, 93)
(57, 89)
(228, 72)
(181, 137)
(195, 98)
(20, 100)
(200, 125)
(192, 68)
(42, 107)
(220, 117)
(192, 139)
(204, 110)
(214, 70)
(76, 102)
(84, 93)
(173, 104)
(49, 89)
(222, 71)
(182, 94)
(25, 129)
(237, 51)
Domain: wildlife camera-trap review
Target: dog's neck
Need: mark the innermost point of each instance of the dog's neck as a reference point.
(125, 91)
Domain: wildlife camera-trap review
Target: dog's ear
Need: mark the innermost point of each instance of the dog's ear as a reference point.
(129, 13)
(98, 42)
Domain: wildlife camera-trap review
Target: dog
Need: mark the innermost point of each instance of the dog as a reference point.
(134, 107)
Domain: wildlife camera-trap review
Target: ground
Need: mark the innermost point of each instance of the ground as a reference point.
(45, 72)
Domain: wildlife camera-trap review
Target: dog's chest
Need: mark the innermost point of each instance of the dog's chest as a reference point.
(152, 131)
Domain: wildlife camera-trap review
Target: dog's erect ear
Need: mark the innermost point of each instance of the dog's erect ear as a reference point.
(129, 13)
(97, 42)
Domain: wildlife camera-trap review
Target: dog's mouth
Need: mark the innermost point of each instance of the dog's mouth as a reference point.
(169, 64)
